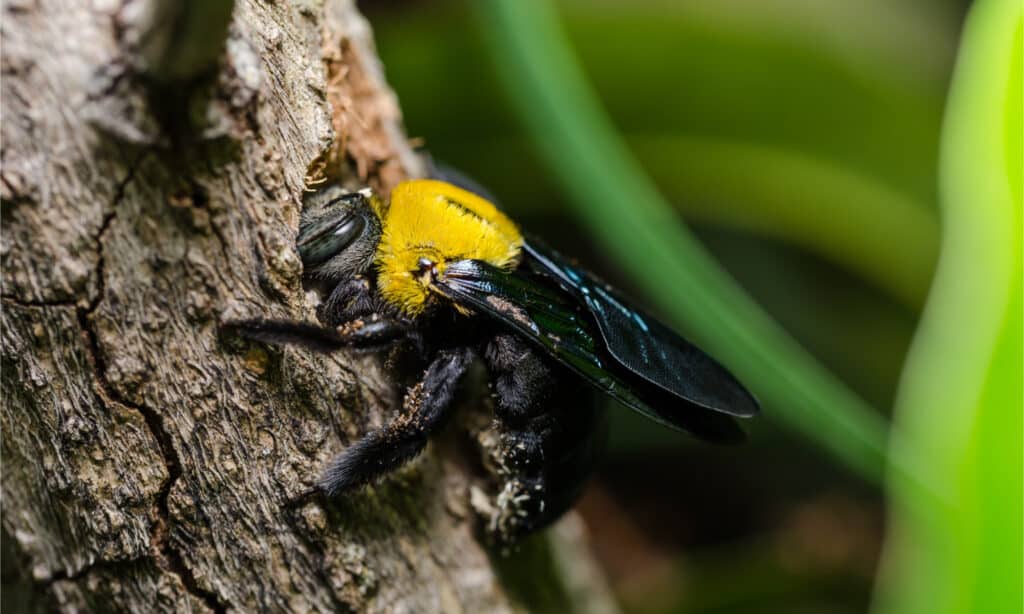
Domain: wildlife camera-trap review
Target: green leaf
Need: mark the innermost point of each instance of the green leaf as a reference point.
(853, 219)
(960, 401)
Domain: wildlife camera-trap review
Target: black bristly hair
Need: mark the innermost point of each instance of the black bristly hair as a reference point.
(424, 411)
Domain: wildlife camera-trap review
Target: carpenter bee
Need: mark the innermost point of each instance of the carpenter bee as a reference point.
(439, 268)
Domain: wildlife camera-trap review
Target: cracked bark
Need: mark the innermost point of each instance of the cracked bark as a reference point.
(149, 465)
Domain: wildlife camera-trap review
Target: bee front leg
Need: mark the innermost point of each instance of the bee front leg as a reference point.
(371, 333)
(349, 300)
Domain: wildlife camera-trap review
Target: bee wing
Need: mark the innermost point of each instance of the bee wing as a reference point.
(645, 346)
(560, 324)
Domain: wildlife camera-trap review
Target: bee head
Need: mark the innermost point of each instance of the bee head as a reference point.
(408, 241)
(339, 232)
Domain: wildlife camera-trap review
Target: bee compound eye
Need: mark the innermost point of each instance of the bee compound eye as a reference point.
(326, 239)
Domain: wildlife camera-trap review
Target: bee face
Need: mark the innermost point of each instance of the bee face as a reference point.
(409, 242)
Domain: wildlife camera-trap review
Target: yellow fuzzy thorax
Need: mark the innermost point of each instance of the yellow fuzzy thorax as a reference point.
(442, 223)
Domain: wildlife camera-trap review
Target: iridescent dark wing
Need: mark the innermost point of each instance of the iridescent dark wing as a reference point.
(644, 345)
(538, 305)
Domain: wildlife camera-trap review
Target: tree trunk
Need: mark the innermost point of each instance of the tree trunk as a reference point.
(154, 157)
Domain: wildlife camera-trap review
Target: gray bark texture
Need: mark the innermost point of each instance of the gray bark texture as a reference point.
(154, 158)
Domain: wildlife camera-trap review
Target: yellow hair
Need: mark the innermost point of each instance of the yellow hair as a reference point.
(442, 223)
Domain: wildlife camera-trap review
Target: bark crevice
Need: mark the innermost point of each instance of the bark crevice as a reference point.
(165, 554)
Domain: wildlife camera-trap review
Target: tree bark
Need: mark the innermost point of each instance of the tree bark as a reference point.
(151, 187)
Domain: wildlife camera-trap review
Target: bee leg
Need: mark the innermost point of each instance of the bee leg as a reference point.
(425, 409)
(549, 438)
(357, 334)
(522, 380)
(350, 300)
(547, 464)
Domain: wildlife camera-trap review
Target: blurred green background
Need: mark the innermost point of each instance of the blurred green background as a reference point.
(811, 147)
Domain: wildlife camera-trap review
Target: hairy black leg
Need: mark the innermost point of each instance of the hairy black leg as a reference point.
(522, 380)
(548, 461)
(382, 451)
(549, 426)
(358, 334)
(350, 300)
